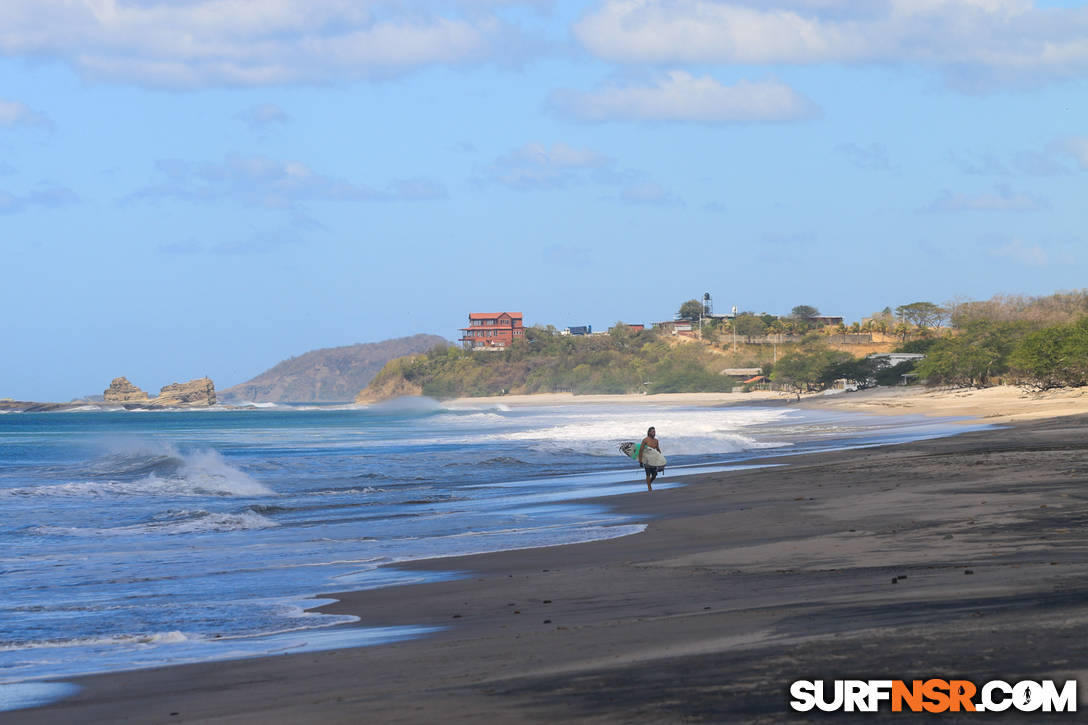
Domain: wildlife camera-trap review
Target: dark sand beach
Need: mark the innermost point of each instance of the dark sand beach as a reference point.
(957, 557)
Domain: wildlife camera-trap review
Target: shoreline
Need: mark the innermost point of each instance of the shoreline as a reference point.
(835, 565)
(998, 404)
(755, 397)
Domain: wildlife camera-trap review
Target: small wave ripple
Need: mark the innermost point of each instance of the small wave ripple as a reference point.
(169, 523)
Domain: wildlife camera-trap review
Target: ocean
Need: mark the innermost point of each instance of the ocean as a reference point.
(132, 539)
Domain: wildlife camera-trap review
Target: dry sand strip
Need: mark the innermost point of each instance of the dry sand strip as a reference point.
(960, 557)
(998, 404)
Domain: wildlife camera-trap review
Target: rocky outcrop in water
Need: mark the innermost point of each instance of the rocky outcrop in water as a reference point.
(122, 391)
(199, 393)
(193, 394)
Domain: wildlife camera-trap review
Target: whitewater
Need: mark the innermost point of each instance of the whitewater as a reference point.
(132, 540)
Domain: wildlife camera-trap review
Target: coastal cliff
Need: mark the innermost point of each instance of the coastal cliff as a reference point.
(193, 394)
(122, 391)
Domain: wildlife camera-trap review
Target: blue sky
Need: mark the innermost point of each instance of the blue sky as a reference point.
(206, 187)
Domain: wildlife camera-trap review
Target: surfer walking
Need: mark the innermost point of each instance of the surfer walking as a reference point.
(650, 441)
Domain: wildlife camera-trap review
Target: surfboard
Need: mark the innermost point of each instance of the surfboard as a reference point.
(652, 456)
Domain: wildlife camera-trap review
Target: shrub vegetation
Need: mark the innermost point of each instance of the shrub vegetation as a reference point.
(619, 362)
(1036, 341)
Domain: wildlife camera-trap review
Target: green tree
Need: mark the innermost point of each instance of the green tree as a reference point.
(621, 335)
(976, 357)
(922, 314)
(1055, 356)
(848, 368)
(918, 346)
(893, 374)
(691, 310)
(818, 367)
(804, 312)
(749, 325)
(711, 332)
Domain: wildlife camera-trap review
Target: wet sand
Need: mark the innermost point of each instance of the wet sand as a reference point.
(964, 556)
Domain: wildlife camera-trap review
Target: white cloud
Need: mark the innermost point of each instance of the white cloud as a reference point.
(647, 192)
(1049, 160)
(680, 96)
(1078, 149)
(1029, 255)
(1004, 199)
(49, 197)
(536, 166)
(976, 42)
(16, 113)
(263, 116)
(979, 164)
(249, 42)
(272, 183)
(416, 189)
(873, 157)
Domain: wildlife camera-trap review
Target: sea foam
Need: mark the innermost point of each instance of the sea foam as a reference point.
(165, 472)
(701, 433)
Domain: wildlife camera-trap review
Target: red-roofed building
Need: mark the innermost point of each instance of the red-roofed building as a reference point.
(492, 330)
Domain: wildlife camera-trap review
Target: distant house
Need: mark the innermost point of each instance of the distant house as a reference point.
(492, 330)
(578, 330)
(742, 372)
(629, 326)
(825, 321)
(891, 359)
(676, 327)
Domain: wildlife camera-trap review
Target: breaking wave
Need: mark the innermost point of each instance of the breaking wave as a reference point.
(704, 433)
(165, 472)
